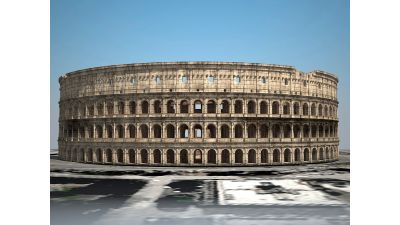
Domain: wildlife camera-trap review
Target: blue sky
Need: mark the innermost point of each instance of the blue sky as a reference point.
(306, 34)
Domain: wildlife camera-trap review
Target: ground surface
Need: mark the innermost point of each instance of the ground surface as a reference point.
(84, 194)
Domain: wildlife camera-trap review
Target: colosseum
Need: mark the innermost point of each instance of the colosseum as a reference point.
(198, 114)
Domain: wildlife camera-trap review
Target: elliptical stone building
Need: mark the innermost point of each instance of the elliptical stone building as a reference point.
(198, 114)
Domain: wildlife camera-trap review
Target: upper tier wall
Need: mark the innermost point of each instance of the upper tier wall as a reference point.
(169, 77)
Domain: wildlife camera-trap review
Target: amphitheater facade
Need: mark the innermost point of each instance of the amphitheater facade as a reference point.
(198, 114)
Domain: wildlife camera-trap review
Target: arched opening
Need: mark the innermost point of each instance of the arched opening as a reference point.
(306, 131)
(296, 108)
(263, 107)
(121, 108)
(251, 107)
(120, 131)
(81, 155)
(326, 111)
(287, 129)
(296, 131)
(251, 156)
(264, 156)
(275, 108)
(110, 108)
(183, 156)
(100, 109)
(99, 155)
(211, 108)
(184, 106)
(332, 154)
(132, 107)
(89, 155)
(238, 106)
(109, 156)
(157, 156)
(170, 156)
(170, 106)
(276, 156)
(225, 106)
(132, 131)
(157, 106)
(297, 155)
(238, 131)
(321, 131)
(91, 132)
(170, 131)
(319, 110)
(211, 156)
(321, 154)
(198, 107)
(276, 131)
(313, 131)
(109, 130)
(313, 110)
(184, 131)
(132, 156)
(145, 107)
(225, 156)
(286, 108)
(327, 156)
(144, 156)
(314, 154)
(197, 156)
(251, 131)
(286, 155)
(120, 156)
(238, 156)
(198, 131)
(306, 155)
(224, 131)
(99, 131)
(305, 109)
(211, 131)
(263, 131)
(330, 111)
(144, 131)
(327, 131)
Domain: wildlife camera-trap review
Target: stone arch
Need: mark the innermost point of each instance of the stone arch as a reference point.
(99, 131)
(287, 130)
(197, 131)
(333, 156)
(238, 156)
(183, 131)
(306, 131)
(251, 156)
(74, 154)
(275, 107)
(321, 131)
(99, 155)
(326, 110)
(263, 107)
(197, 156)
(132, 107)
(276, 131)
(132, 131)
(89, 155)
(305, 109)
(297, 155)
(306, 154)
(211, 156)
(238, 131)
(110, 108)
(276, 156)
(251, 131)
(184, 106)
(81, 155)
(144, 131)
(198, 106)
(171, 106)
(327, 156)
(211, 106)
(314, 130)
(264, 131)
(320, 110)
(144, 156)
(170, 156)
(296, 131)
(296, 108)
(225, 106)
(157, 156)
(109, 156)
(314, 154)
(264, 156)
(100, 109)
(120, 131)
(286, 108)
(225, 131)
(157, 106)
(238, 106)
(211, 131)
(313, 109)
(183, 156)
(145, 107)
(121, 107)
(109, 130)
(251, 107)
(132, 156)
(170, 131)
(225, 156)
(330, 111)
(120, 156)
(321, 154)
(287, 155)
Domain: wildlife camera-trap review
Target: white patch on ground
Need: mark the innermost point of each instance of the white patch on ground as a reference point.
(66, 187)
(330, 186)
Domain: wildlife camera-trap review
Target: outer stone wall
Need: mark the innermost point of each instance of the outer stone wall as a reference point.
(198, 114)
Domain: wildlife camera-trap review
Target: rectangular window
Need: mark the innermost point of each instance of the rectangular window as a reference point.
(184, 79)
(158, 80)
(210, 79)
(237, 80)
(186, 133)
